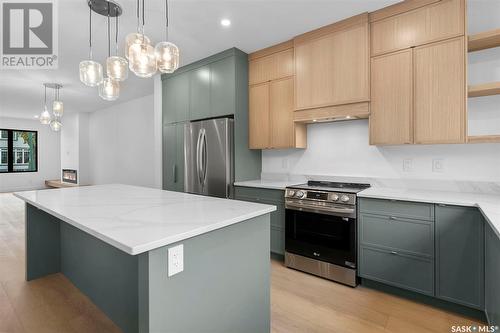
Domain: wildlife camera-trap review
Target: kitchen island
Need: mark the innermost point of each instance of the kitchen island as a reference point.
(113, 241)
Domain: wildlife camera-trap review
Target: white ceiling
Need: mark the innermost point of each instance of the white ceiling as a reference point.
(194, 27)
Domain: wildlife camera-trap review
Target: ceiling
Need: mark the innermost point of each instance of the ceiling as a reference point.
(194, 27)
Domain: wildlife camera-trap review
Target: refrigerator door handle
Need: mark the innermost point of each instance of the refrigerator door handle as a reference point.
(198, 157)
(204, 157)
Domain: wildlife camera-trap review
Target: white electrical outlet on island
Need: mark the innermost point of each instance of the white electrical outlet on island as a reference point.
(175, 260)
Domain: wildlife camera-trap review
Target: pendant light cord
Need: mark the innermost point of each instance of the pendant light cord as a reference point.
(166, 20)
(45, 99)
(109, 36)
(116, 35)
(90, 29)
(138, 20)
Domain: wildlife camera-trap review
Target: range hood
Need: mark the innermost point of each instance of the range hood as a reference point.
(333, 113)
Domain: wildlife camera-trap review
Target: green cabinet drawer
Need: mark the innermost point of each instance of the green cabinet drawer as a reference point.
(397, 269)
(412, 210)
(260, 193)
(460, 255)
(402, 234)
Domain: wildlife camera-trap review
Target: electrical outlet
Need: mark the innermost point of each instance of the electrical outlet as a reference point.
(407, 165)
(437, 165)
(175, 260)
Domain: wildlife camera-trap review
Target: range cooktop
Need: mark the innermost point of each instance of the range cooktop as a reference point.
(331, 186)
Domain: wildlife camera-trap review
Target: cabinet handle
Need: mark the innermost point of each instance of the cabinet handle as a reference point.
(394, 252)
(316, 254)
(174, 174)
(393, 218)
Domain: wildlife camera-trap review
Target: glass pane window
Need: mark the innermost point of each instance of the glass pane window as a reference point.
(18, 151)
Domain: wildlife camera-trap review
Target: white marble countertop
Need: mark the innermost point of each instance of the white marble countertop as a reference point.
(139, 219)
(488, 204)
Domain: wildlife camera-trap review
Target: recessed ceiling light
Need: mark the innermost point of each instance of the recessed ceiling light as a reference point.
(35, 116)
(225, 22)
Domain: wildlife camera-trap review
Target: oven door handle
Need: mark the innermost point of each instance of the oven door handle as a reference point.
(316, 209)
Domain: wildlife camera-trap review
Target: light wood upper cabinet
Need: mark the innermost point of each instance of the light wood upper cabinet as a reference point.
(438, 21)
(258, 115)
(440, 92)
(332, 65)
(392, 99)
(271, 63)
(283, 133)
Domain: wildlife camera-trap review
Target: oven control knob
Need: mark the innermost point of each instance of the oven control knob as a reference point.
(344, 198)
(334, 197)
(300, 194)
(291, 193)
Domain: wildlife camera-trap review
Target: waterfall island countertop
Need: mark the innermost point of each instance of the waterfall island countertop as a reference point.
(139, 219)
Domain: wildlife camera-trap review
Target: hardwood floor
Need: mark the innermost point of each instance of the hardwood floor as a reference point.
(299, 302)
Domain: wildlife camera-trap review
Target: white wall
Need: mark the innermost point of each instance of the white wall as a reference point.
(342, 149)
(49, 157)
(75, 145)
(123, 144)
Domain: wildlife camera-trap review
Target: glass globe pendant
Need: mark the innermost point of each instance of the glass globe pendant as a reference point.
(116, 67)
(109, 89)
(55, 124)
(45, 117)
(142, 60)
(91, 73)
(57, 105)
(167, 53)
(167, 57)
(132, 39)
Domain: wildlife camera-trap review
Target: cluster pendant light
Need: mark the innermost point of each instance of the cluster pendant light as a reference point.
(54, 119)
(144, 60)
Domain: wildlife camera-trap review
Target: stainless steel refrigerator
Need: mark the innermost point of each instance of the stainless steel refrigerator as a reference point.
(208, 154)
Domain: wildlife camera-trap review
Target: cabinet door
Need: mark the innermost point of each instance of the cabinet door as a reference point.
(440, 92)
(274, 66)
(258, 116)
(222, 87)
(169, 157)
(179, 158)
(176, 98)
(281, 113)
(333, 69)
(199, 94)
(460, 255)
(427, 24)
(492, 278)
(392, 99)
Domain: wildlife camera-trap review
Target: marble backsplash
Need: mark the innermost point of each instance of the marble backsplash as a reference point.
(482, 187)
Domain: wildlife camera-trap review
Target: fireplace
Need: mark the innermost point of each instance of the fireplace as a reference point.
(69, 176)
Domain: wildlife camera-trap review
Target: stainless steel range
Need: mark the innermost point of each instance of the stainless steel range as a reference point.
(321, 229)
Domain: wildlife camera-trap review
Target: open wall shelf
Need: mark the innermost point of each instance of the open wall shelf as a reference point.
(484, 138)
(484, 40)
(486, 89)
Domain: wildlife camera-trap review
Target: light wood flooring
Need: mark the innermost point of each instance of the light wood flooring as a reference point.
(300, 302)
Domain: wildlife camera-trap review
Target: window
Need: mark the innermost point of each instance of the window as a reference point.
(18, 151)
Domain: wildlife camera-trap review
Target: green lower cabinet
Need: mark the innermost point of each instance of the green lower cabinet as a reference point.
(492, 275)
(173, 157)
(268, 197)
(460, 255)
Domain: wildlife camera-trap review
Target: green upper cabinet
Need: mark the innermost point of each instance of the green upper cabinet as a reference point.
(199, 94)
(460, 255)
(176, 98)
(222, 87)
